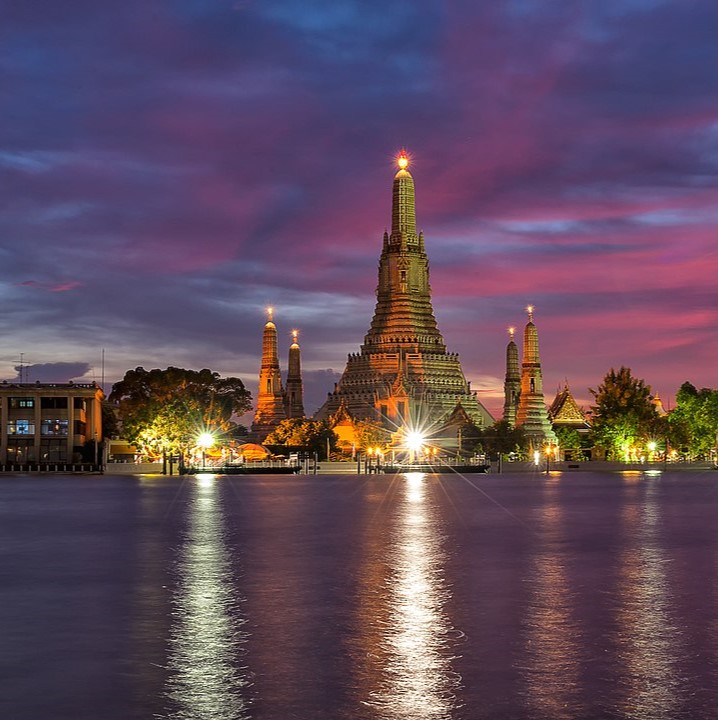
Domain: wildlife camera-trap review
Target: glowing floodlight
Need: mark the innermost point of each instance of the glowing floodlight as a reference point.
(414, 440)
(205, 440)
(403, 160)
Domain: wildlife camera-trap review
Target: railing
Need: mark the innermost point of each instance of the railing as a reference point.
(33, 467)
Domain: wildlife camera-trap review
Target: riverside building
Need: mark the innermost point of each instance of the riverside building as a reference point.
(48, 422)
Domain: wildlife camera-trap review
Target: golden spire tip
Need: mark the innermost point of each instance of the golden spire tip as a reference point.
(403, 159)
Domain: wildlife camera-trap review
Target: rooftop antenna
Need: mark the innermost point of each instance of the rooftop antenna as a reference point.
(102, 381)
(22, 355)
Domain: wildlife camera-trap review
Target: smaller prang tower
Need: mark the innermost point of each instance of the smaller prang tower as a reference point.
(531, 414)
(294, 394)
(512, 382)
(270, 398)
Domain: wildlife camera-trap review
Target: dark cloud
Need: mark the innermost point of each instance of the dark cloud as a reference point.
(56, 372)
(169, 170)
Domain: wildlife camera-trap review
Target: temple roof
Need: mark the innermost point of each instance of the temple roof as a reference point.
(564, 410)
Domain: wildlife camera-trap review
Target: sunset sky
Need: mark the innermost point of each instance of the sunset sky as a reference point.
(167, 170)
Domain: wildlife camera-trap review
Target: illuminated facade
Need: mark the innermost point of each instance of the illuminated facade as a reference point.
(276, 402)
(565, 412)
(270, 398)
(531, 414)
(512, 382)
(403, 373)
(294, 393)
(48, 422)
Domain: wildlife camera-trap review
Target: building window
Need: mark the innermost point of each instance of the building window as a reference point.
(54, 427)
(80, 427)
(21, 402)
(401, 409)
(79, 403)
(21, 427)
(53, 403)
(19, 450)
(533, 385)
(53, 450)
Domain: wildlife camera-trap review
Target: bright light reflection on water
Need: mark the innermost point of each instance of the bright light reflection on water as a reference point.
(552, 634)
(649, 641)
(417, 679)
(206, 682)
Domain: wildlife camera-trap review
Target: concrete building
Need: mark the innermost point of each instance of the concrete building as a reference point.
(48, 422)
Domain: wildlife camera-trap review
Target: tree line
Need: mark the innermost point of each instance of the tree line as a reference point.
(166, 410)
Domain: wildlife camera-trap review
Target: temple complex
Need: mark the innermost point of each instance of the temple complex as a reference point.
(270, 397)
(403, 375)
(531, 413)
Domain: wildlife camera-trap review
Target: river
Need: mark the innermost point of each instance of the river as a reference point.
(427, 597)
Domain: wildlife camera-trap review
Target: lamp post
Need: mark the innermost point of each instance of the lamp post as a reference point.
(547, 449)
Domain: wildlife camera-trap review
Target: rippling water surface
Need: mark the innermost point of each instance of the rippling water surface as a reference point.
(416, 596)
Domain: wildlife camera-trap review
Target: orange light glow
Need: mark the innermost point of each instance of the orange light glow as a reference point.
(295, 335)
(512, 330)
(270, 310)
(403, 160)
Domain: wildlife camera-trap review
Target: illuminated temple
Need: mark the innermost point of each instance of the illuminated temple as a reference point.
(526, 408)
(403, 374)
(274, 401)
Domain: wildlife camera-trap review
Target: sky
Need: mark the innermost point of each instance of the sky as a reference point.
(169, 169)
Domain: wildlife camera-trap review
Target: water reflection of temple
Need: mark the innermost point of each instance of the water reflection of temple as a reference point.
(553, 635)
(405, 643)
(648, 641)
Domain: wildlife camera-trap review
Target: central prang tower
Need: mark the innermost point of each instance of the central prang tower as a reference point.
(403, 373)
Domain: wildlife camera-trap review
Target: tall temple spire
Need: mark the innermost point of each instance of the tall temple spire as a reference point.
(531, 414)
(403, 209)
(403, 370)
(270, 398)
(294, 394)
(512, 382)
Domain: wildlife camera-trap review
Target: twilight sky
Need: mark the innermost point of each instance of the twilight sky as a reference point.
(168, 169)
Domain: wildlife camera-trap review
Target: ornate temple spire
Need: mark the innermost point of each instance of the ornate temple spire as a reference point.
(270, 397)
(403, 371)
(531, 413)
(403, 207)
(294, 393)
(531, 349)
(403, 314)
(512, 382)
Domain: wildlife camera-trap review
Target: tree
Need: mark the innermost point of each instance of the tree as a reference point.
(624, 417)
(694, 421)
(166, 410)
(303, 434)
(369, 434)
(502, 439)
